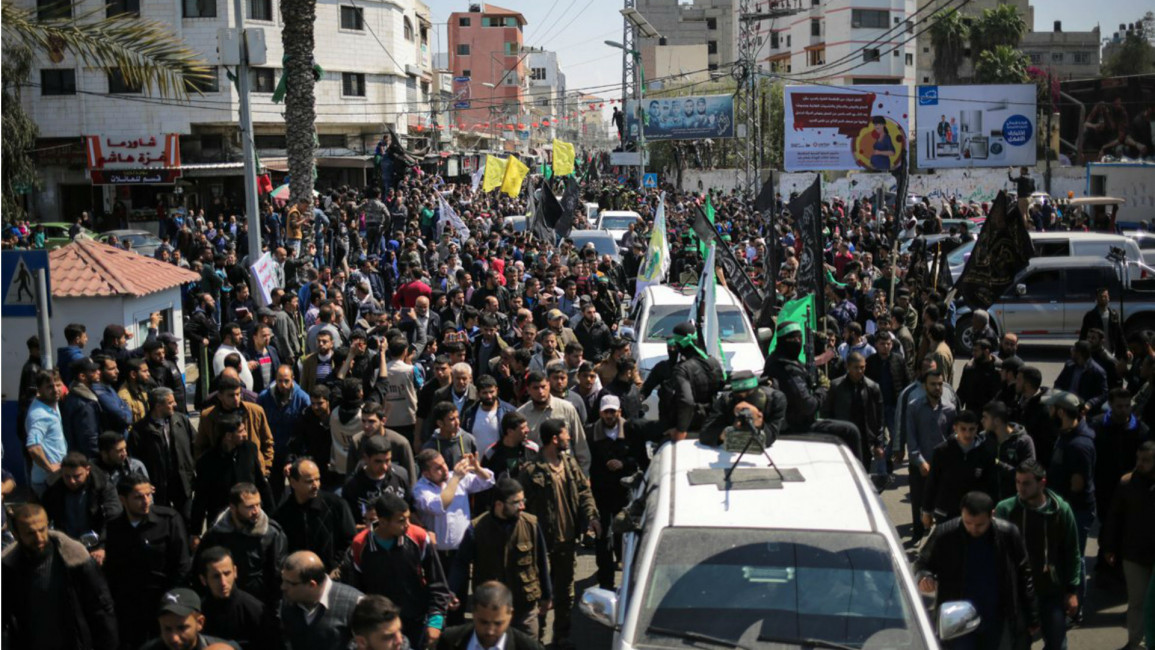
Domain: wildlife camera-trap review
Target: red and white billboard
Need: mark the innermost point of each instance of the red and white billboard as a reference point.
(147, 152)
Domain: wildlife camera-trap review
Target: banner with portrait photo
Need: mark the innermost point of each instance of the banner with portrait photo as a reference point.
(846, 127)
(683, 118)
(976, 126)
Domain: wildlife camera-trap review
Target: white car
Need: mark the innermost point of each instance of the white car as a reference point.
(617, 222)
(659, 308)
(797, 553)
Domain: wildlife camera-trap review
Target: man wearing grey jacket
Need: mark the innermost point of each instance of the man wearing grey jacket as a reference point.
(316, 610)
(928, 423)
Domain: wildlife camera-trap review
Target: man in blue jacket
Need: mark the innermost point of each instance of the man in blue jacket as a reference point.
(1082, 376)
(80, 411)
(77, 336)
(284, 403)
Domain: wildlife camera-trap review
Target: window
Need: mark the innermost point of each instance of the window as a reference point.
(212, 142)
(871, 54)
(199, 8)
(269, 141)
(353, 84)
(210, 85)
(408, 28)
(788, 40)
(711, 47)
(511, 80)
(1044, 283)
(352, 18)
(815, 27)
(262, 80)
(537, 74)
(58, 82)
(331, 140)
(897, 54)
(711, 23)
(117, 7)
(773, 40)
(467, 72)
(909, 58)
(876, 18)
(1086, 282)
(1082, 58)
(816, 57)
(260, 9)
(53, 10)
(712, 67)
(815, 3)
(463, 49)
(463, 22)
(926, 80)
(117, 84)
(926, 50)
(1036, 58)
(511, 49)
(1056, 57)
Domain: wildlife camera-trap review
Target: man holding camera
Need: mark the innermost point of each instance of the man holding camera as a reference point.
(746, 404)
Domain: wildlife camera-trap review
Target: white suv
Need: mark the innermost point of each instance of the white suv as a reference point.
(797, 553)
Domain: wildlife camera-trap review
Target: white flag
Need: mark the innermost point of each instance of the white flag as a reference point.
(710, 329)
(448, 215)
(657, 262)
(477, 176)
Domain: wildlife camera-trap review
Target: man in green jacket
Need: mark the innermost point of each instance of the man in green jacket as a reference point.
(1048, 528)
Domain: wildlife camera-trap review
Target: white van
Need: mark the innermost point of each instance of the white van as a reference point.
(1063, 244)
(797, 553)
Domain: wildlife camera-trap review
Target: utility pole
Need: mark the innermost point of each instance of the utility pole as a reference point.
(253, 217)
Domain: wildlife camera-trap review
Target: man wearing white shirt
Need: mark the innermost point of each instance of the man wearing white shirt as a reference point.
(490, 629)
(231, 339)
(442, 496)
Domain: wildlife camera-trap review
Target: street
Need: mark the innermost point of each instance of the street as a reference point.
(1104, 615)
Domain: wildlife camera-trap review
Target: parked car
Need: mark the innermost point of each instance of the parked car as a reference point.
(1146, 242)
(143, 241)
(518, 222)
(604, 243)
(1049, 298)
(794, 553)
(1061, 244)
(56, 234)
(617, 222)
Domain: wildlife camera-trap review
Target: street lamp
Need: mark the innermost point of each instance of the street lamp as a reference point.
(641, 115)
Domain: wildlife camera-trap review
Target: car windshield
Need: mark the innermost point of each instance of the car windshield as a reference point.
(769, 589)
(960, 255)
(617, 222)
(139, 240)
(663, 319)
(603, 245)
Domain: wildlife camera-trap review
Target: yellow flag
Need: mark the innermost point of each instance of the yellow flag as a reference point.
(515, 172)
(494, 173)
(562, 158)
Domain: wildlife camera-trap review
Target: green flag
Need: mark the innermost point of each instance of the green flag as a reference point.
(798, 311)
(709, 210)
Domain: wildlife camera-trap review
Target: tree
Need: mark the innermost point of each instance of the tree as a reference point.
(1002, 65)
(1001, 25)
(145, 51)
(949, 34)
(300, 113)
(1134, 56)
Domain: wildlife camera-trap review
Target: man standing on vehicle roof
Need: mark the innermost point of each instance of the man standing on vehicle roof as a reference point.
(764, 406)
(686, 396)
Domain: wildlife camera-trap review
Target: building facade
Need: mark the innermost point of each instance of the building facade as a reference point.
(547, 95)
(377, 74)
(485, 47)
(713, 23)
(1066, 55)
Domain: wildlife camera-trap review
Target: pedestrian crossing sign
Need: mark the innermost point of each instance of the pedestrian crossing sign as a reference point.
(18, 270)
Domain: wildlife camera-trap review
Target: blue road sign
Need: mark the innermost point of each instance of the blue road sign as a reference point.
(650, 180)
(18, 278)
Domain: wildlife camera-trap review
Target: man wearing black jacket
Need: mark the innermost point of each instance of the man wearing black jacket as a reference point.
(255, 541)
(979, 558)
(231, 612)
(963, 463)
(376, 476)
(147, 554)
(82, 501)
(163, 442)
(615, 445)
(492, 615)
(314, 520)
(1105, 318)
(980, 382)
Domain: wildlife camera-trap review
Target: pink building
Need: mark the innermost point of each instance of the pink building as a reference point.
(485, 45)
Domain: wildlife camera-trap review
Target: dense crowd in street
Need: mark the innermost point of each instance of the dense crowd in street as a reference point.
(409, 443)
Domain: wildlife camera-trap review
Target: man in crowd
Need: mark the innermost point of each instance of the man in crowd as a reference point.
(316, 610)
(163, 444)
(255, 541)
(312, 519)
(231, 612)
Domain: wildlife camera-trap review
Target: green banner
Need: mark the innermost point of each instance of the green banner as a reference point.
(798, 311)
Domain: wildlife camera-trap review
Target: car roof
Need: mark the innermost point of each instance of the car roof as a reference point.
(619, 213)
(664, 294)
(822, 500)
(1061, 262)
(586, 235)
(1077, 236)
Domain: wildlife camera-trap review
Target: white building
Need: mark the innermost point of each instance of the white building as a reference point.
(377, 73)
(547, 96)
(841, 42)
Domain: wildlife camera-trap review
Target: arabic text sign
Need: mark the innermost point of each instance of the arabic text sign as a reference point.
(147, 152)
(135, 176)
(976, 126)
(683, 118)
(263, 271)
(845, 127)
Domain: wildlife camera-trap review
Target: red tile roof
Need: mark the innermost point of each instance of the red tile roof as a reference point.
(87, 268)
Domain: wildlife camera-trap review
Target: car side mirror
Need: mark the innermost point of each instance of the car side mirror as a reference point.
(764, 336)
(1021, 289)
(601, 605)
(955, 618)
(627, 333)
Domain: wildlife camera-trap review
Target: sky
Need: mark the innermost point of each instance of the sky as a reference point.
(577, 29)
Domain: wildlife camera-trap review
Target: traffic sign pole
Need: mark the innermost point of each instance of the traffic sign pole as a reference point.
(42, 323)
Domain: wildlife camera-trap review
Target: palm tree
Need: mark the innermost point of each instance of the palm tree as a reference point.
(1001, 25)
(146, 53)
(300, 114)
(949, 34)
(1002, 65)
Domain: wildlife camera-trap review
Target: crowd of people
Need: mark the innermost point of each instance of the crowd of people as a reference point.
(421, 421)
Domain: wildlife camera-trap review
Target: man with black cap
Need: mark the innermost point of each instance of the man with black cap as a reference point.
(765, 406)
(685, 398)
(181, 622)
(803, 397)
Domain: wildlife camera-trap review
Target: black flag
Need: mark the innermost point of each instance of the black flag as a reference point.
(765, 200)
(534, 212)
(569, 203)
(1002, 250)
(736, 277)
(703, 229)
(556, 214)
(807, 211)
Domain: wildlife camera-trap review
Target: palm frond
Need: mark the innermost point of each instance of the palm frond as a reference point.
(146, 52)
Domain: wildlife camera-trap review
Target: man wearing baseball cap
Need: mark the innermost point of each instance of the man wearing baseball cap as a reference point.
(181, 622)
(615, 447)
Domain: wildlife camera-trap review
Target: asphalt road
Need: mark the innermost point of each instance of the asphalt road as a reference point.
(1103, 626)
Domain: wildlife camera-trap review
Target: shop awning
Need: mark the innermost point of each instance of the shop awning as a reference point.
(348, 162)
(203, 170)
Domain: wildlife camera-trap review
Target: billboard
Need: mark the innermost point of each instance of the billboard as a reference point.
(148, 152)
(693, 117)
(461, 92)
(1106, 119)
(976, 126)
(845, 127)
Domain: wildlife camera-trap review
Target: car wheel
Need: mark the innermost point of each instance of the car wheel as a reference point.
(964, 336)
